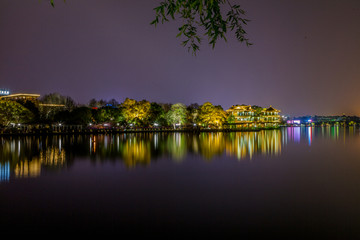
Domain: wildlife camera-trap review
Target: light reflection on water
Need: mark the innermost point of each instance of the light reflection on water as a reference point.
(294, 181)
(22, 157)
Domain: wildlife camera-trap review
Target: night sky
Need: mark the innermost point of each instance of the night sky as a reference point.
(305, 58)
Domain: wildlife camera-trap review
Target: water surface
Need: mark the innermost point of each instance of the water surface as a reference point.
(293, 182)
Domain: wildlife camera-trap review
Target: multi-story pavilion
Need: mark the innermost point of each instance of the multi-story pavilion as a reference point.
(247, 116)
(270, 116)
(243, 115)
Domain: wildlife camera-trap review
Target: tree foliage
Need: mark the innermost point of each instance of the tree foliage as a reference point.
(192, 113)
(32, 106)
(211, 115)
(56, 98)
(177, 114)
(108, 115)
(157, 114)
(13, 112)
(214, 17)
(135, 111)
(50, 113)
(81, 115)
(93, 103)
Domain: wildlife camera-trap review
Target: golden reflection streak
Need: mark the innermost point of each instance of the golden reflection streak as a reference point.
(211, 144)
(137, 149)
(244, 144)
(26, 156)
(49, 157)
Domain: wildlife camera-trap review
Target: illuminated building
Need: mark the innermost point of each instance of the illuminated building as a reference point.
(20, 96)
(5, 95)
(270, 116)
(4, 92)
(245, 115)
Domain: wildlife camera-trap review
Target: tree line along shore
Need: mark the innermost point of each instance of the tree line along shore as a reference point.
(54, 113)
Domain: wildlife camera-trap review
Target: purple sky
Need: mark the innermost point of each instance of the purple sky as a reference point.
(305, 58)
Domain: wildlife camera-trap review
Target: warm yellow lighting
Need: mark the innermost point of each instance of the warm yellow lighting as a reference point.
(51, 105)
(21, 95)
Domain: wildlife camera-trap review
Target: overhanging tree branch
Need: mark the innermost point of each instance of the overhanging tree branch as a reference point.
(207, 15)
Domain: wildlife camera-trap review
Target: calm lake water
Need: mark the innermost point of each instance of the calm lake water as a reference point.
(292, 182)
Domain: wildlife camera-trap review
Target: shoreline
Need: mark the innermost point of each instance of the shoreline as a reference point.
(48, 132)
(89, 131)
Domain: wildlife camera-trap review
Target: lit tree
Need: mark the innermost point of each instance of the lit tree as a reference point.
(177, 114)
(352, 123)
(211, 115)
(231, 118)
(134, 111)
(13, 112)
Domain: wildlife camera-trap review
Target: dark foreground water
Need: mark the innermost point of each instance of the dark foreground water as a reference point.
(294, 183)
